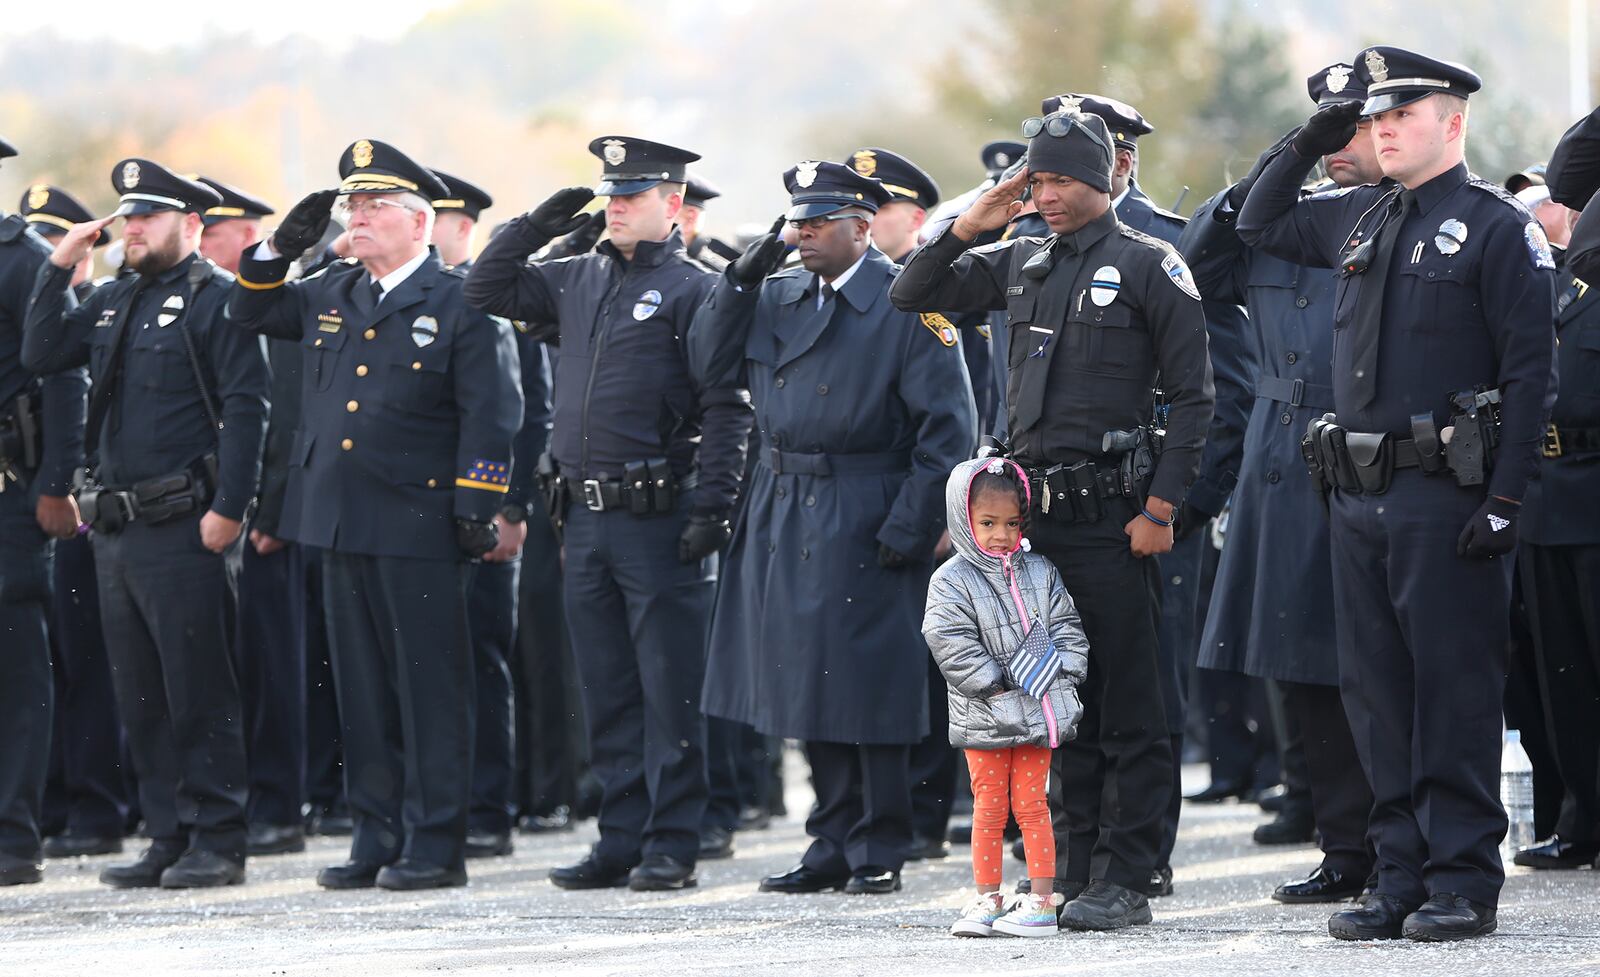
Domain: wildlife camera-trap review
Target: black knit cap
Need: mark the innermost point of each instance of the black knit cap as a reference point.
(1084, 153)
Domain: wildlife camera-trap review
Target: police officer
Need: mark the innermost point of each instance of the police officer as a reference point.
(1270, 617)
(176, 413)
(410, 401)
(41, 441)
(698, 192)
(850, 479)
(1442, 318)
(1096, 310)
(456, 216)
(651, 463)
(1574, 180)
(231, 226)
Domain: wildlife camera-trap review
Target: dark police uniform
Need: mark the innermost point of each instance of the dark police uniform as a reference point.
(627, 412)
(814, 638)
(409, 406)
(1574, 180)
(183, 411)
(1121, 308)
(1270, 617)
(1465, 303)
(706, 249)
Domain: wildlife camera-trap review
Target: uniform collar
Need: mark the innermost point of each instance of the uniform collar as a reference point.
(1439, 187)
(855, 286)
(393, 280)
(647, 254)
(1084, 237)
(174, 273)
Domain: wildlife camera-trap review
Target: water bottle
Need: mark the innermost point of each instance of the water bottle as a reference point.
(1516, 794)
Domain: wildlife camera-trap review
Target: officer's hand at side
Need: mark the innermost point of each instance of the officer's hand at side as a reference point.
(1190, 519)
(512, 536)
(1329, 130)
(890, 558)
(57, 515)
(1492, 530)
(77, 243)
(994, 209)
(305, 224)
(476, 538)
(559, 215)
(763, 257)
(704, 534)
(264, 544)
(1146, 537)
(217, 533)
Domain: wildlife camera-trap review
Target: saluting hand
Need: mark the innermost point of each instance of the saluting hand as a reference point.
(76, 244)
(763, 257)
(994, 209)
(305, 224)
(1329, 130)
(559, 215)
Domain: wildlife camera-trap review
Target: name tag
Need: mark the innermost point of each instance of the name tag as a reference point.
(329, 323)
(106, 317)
(1015, 290)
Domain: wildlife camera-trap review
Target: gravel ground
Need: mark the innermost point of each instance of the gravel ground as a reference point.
(511, 920)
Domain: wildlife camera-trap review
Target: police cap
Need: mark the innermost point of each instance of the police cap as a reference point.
(999, 155)
(901, 177)
(52, 211)
(236, 204)
(1123, 120)
(635, 165)
(370, 166)
(699, 192)
(462, 197)
(147, 187)
(1395, 77)
(818, 188)
(1338, 82)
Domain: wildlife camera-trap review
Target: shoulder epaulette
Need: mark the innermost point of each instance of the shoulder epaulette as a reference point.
(1495, 189)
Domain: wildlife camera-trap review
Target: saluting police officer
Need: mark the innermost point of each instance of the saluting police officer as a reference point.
(1574, 179)
(651, 462)
(1096, 311)
(176, 414)
(1442, 320)
(698, 192)
(41, 441)
(410, 401)
(1270, 617)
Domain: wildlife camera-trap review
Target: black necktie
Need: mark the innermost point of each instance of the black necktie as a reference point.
(1364, 331)
(827, 294)
(377, 293)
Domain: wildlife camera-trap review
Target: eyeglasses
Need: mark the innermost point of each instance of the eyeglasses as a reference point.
(344, 208)
(1058, 126)
(818, 223)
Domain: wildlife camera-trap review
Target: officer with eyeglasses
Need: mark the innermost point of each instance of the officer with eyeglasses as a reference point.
(1096, 310)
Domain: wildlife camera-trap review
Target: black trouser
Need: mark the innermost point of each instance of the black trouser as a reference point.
(1292, 763)
(1240, 741)
(163, 599)
(270, 650)
(492, 613)
(1422, 637)
(324, 742)
(861, 823)
(88, 791)
(1110, 788)
(1341, 800)
(25, 686)
(933, 764)
(1187, 574)
(724, 739)
(1562, 587)
(402, 668)
(552, 747)
(639, 620)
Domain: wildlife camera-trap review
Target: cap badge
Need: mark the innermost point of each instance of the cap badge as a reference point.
(1105, 285)
(1071, 103)
(38, 196)
(1452, 235)
(1002, 159)
(1377, 67)
(805, 174)
(424, 330)
(361, 153)
(130, 174)
(1338, 77)
(866, 162)
(614, 152)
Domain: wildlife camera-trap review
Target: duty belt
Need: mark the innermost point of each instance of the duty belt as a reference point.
(1295, 393)
(154, 500)
(821, 463)
(604, 493)
(1570, 441)
(1072, 493)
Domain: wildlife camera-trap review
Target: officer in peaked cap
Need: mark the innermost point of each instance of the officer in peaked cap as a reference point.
(176, 415)
(647, 465)
(51, 211)
(456, 219)
(1397, 77)
(410, 400)
(912, 194)
(998, 156)
(232, 225)
(702, 247)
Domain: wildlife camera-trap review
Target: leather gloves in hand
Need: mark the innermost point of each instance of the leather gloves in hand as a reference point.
(305, 224)
(704, 534)
(476, 538)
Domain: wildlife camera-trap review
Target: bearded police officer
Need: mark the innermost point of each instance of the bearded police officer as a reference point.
(1096, 310)
(410, 401)
(651, 463)
(175, 422)
(1270, 617)
(1442, 351)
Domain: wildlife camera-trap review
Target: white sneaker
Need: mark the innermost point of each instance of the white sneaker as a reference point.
(1030, 916)
(978, 918)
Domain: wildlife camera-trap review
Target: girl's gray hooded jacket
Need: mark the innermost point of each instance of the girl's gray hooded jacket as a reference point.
(972, 628)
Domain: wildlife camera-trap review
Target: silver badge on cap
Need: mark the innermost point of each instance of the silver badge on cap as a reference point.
(1338, 77)
(1071, 103)
(1105, 285)
(424, 330)
(1002, 159)
(614, 152)
(130, 174)
(805, 174)
(169, 310)
(1452, 235)
(1377, 67)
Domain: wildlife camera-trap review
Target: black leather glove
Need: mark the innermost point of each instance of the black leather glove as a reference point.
(1241, 189)
(581, 241)
(559, 215)
(304, 225)
(1329, 130)
(476, 538)
(1190, 520)
(703, 535)
(761, 258)
(890, 558)
(1492, 530)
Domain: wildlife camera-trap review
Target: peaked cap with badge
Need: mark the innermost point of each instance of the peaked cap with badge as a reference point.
(1123, 120)
(817, 188)
(998, 156)
(236, 204)
(462, 197)
(371, 166)
(1394, 77)
(635, 165)
(52, 211)
(901, 177)
(147, 188)
(1338, 82)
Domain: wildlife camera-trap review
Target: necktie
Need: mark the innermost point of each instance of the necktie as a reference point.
(377, 293)
(825, 296)
(1364, 331)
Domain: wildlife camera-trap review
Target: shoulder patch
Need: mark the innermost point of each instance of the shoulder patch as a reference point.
(939, 326)
(1176, 270)
(1538, 245)
(1332, 194)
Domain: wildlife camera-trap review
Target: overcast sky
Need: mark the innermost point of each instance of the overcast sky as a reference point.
(160, 23)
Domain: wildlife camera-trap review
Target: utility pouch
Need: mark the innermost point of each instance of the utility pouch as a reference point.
(1372, 457)
(636, 481)
(663, 487)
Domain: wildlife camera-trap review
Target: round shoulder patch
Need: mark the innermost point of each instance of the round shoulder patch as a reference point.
(1176, 270)
(1538, 245)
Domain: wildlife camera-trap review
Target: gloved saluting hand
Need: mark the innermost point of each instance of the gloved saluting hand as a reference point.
(761, 258)
(1329, 130)
(559, 214)
(581, 241)
(305, 224)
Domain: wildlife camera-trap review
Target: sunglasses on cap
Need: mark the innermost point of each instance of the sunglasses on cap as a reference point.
(1058, 126)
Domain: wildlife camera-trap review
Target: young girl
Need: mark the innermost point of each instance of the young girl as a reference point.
(981, 608)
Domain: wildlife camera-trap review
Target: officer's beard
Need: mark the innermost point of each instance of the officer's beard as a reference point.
(159, 255)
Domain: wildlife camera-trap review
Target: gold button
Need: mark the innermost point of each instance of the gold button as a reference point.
(347, 444)
(352, 407)
(371, 334)
(416, 364)
(361, 370)
(433, 483)
(317, 343)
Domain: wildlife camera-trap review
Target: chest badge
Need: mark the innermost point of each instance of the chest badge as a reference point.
(1452, 235)
(330, 321)
(424, 330)
(170, 309)
(1105, 285)
(648, 305)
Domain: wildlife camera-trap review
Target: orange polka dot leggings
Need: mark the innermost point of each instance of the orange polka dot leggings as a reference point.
(1013, 778)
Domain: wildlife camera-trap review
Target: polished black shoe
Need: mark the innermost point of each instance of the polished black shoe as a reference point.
(873, 883)
(661, 873)
(924, 848)
(1285, 829)
(800, 879)
(1375, 917)
(20, 871)
(410, 875)
(350, 875)
(558, 819)
(715, 842)
(144, 873)
(200, 869)
(1105, 906)
(69, 845)
(754, 818)
(1160, 882)
(1272, 799)
(589, 874)
(332, 825)
(488, 844)
(275, 839)
(1323, 885)
(1216, 793)
(1447, 917)
(960, 833)
(1550, 853)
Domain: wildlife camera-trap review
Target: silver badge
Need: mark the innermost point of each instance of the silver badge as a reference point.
(169, 311)
(1002, 160)
(424, 330)
(1071, 103)
(1338, 77)
(130, 174)
(1377, 67)
(614, 151)
(805, 174)
(647, 305)
(1105, 285)
(1452, 235)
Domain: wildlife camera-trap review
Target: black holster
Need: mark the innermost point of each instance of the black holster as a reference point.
(556, 494)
